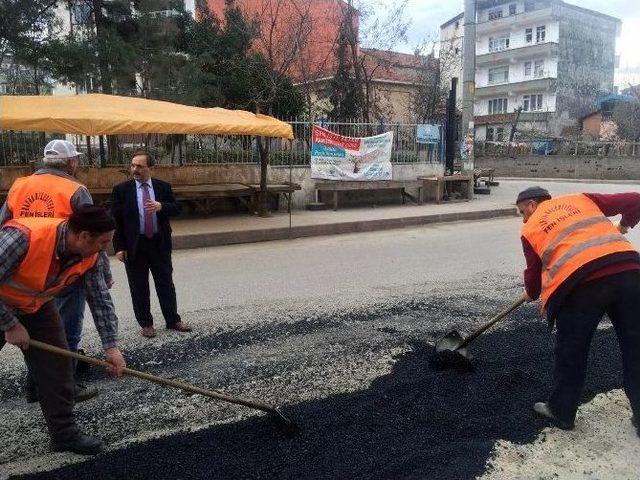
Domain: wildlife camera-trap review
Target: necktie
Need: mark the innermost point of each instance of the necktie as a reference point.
(148, 214)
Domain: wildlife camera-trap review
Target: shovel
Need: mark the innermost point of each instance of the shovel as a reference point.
(288, 426)
(454, 341)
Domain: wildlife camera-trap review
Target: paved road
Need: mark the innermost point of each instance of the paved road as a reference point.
(337, 331)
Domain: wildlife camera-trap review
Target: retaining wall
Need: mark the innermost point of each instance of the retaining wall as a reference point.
(552, 166)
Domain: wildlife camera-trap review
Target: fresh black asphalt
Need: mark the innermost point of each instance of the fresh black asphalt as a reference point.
(413, 423)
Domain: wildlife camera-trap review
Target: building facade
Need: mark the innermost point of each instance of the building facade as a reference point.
(540, 65)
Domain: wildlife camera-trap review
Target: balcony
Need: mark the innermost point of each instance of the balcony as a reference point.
(541, 116)
(506, 89)
(516, 55)
(516, 22)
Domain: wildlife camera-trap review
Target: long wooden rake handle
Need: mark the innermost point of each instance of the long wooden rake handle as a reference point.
(493, 321)
(159, 380)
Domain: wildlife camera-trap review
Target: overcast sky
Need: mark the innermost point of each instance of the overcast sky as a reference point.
(428, 15)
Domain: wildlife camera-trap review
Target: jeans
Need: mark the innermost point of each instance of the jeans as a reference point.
(71, 310)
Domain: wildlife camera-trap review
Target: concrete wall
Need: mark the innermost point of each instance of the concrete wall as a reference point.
(240, 173)
(552, 166)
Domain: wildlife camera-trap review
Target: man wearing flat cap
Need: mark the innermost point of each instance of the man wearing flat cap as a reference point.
(41, 258)
(581, 266)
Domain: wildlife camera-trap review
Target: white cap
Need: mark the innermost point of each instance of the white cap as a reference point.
(59, 150)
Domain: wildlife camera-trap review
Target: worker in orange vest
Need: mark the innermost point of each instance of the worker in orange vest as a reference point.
(54, 192)
(41, 257)
(581, 266)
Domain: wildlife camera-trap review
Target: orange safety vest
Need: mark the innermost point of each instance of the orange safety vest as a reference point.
(568, 232)
(42, 196)
(30, 287)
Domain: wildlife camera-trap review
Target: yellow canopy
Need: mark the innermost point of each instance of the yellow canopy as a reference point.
(98, 114)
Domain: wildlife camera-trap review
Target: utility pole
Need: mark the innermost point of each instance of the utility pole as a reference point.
(468, 81)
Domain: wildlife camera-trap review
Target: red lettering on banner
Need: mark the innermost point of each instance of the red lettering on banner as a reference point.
(327, 137)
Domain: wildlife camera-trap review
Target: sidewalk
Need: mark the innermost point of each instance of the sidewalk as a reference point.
(245, 228)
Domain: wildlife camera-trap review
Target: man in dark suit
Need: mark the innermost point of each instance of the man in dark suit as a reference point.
(142, 207)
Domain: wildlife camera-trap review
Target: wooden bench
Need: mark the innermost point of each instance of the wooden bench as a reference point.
(202, 197)
(343, 186)
(275, 190)
(435, 188)
(199, 197)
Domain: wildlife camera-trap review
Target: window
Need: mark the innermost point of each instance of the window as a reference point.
(495, 14)
(498, 75)
(540, 34)
(457, 51)
(532, 103)
(497, 105)
(81, 13)
(498, 44)
(538, 69)
(529, 6)
(527, 69)
(512, 9)
(528, 35)
(495, 134)
(490, 134)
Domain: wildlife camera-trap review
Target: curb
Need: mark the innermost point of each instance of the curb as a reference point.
(215, 239)
(570, 180)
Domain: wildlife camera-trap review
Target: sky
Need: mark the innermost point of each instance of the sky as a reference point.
(427, 16)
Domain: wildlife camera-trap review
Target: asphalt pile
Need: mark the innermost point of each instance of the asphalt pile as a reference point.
(413, 423)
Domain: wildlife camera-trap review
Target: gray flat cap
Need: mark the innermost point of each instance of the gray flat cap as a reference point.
(533, 192)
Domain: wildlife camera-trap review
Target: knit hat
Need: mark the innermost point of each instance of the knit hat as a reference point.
(533, 192)
(92, 219)
(57, 151)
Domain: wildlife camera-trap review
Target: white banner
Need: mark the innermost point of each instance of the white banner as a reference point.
(334, 157)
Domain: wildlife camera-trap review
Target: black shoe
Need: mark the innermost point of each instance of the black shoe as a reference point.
(82, 393)
(81, 443)
(543, 409)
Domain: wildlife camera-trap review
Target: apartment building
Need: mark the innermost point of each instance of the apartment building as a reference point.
(547, 59)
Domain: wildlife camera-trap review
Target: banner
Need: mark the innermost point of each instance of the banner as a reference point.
(334, 157)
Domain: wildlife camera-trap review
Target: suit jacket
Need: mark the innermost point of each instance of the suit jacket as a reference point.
(125, 212)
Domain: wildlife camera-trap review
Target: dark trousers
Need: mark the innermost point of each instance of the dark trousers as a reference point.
(578, 317)
(149, 257)
(53, 374)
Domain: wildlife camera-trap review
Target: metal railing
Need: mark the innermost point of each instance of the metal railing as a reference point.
(24, 148)
(558, 147)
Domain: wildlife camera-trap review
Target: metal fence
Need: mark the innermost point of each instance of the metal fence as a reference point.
(23, 148)
(559, 147)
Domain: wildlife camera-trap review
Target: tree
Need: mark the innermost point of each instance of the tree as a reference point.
(380, 35)
(429, 99)
(627, 116)
(23, 22)
(346, 96)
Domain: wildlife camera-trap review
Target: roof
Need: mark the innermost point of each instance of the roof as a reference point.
(589, 11)
(460, 16)
(616, 97)
(396, 66)
(99, 114)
